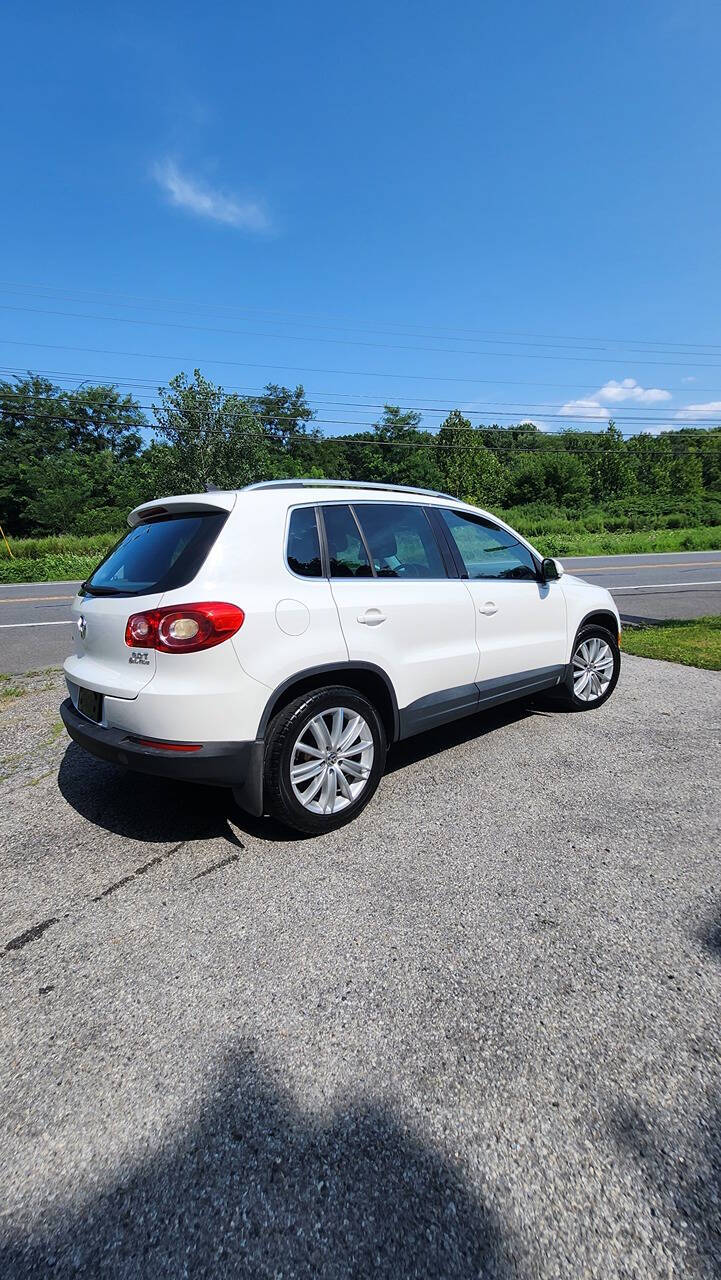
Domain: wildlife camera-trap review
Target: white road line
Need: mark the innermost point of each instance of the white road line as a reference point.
(64, 622)
(661, 586)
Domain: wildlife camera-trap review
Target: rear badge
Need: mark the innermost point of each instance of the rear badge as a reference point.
(139, 659)
(82, 627)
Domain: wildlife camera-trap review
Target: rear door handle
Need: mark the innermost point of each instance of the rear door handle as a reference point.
(372, 617)
(488, 608)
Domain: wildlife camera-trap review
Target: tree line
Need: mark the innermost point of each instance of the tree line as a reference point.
(76, 461)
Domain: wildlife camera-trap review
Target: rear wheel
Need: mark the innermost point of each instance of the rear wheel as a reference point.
(594, 669)
(324, 758)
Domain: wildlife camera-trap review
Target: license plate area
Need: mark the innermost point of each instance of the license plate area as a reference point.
(90, 704)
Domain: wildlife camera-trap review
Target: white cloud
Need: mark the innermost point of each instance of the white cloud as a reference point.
(584, 409)
(628, 391)
(712, 408)
(189, 193)
(690, 378)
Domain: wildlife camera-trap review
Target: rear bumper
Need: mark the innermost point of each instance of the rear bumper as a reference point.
(224, 764)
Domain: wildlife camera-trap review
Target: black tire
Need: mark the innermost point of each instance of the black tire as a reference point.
(566, 691)
(285, 729)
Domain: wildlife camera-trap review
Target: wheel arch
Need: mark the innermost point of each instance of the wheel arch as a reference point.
(365, 677)
(604, 618)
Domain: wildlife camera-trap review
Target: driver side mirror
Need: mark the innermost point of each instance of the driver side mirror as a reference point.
(551, 570)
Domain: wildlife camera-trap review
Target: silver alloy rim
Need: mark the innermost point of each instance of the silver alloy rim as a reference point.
(592, 669)
(331, 761)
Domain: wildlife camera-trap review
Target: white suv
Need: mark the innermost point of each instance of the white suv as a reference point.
(276, 639)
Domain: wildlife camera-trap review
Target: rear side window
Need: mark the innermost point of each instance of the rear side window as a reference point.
(303, 551)
(347, 556)
(488, 551)
(157, 556)
(400, 539)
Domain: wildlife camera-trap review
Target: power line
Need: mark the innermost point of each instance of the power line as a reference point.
(248, 364)
(515, 422)
(431, 443)
(152, 382)
(333, 321)
(354, 342)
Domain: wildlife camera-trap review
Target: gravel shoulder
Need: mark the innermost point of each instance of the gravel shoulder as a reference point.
(476, 1033)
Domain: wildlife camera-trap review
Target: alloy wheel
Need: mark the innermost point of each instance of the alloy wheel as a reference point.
(592, 669)
(331, 760)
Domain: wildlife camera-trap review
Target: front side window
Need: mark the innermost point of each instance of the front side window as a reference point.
(303, 550)
(400, 539)
(488, 551)
(347, 556)
(158, 555)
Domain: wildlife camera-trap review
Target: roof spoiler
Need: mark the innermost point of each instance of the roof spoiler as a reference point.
(222, 500)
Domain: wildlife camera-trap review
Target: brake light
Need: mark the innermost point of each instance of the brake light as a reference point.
(183, 628)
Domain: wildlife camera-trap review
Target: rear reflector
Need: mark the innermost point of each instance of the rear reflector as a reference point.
(166, 746)
(184, 628)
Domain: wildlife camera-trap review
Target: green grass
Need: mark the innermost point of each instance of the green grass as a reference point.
(8, 689)
(696, 643)
(580, 543)
(66, 557)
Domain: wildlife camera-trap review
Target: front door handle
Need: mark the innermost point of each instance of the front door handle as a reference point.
(488, 608)
(372, 617)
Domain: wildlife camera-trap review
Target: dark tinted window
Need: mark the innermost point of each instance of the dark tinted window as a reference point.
(486, 550)
(303, 544)
(400, 539)
(157, 556)
(346, 553)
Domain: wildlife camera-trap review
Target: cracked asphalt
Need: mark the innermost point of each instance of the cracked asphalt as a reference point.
(476, 1033)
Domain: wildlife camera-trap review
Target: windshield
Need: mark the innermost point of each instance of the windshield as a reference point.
(157, 556)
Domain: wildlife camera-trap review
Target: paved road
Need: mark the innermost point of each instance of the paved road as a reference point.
(650, 588)
(475, 1034)
(35, 633)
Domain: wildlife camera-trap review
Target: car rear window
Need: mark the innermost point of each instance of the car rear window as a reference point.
(157, 556)
(400, 539)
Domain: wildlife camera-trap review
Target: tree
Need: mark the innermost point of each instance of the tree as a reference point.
(282, 414)
(214, 438)
(470, 470)
(39, 422)
(614, 477)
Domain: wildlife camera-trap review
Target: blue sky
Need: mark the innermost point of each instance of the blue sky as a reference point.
(509, 207)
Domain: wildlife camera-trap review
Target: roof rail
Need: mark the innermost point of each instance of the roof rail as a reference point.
(347, 484)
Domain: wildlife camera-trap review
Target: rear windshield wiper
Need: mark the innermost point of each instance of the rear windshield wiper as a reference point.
(87, 589)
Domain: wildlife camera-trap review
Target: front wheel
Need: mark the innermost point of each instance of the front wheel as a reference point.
(325, 757)
(594, 669)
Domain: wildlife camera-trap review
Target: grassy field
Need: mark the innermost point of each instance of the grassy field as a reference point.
(696, 643)
(68, 557)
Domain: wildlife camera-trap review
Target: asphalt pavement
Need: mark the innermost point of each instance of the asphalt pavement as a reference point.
(474, 1034)
(35, 631)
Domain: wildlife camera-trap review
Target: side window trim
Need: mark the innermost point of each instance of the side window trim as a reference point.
(359, 527)
(450, 554)
(323, 542)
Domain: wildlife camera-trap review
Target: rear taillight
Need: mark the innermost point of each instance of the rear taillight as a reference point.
(183, 628)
